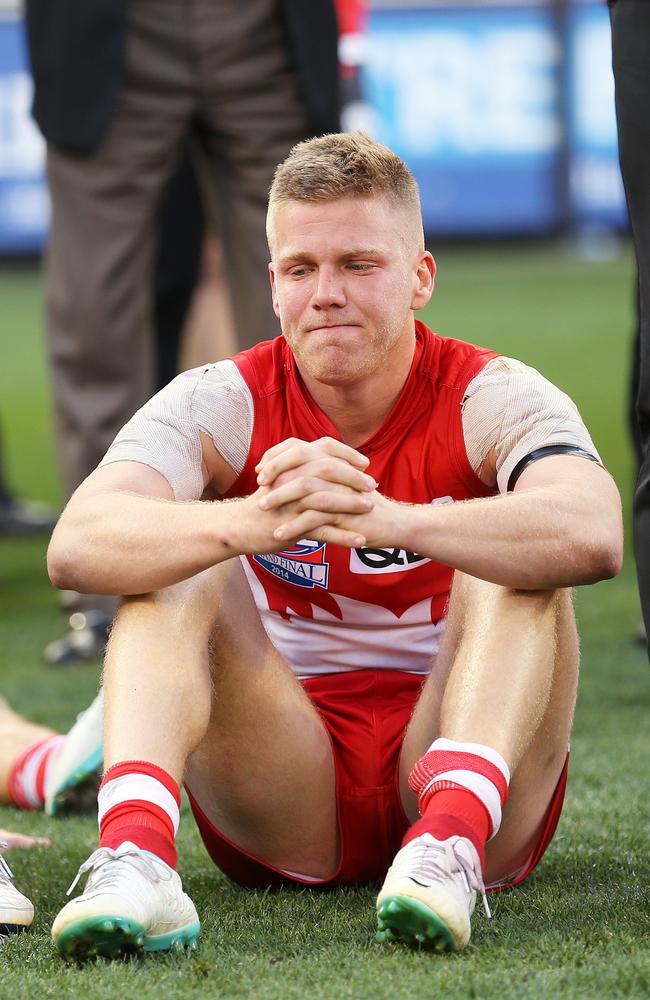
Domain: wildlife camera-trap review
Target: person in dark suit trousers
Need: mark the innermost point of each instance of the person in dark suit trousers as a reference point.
(120, 88)
(631, 63)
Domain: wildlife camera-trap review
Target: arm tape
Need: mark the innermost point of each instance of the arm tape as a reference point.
(551, 449)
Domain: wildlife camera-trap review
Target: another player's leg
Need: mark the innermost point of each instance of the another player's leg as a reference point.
(499, 704)
(26, 753)
(40, 768)
(194, 689)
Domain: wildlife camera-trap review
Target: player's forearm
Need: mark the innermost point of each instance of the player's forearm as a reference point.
(122, 543)
(545, 538)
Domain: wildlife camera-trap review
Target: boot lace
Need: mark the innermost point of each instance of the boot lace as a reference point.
(106, 870)
(6, 873)
(437, 861)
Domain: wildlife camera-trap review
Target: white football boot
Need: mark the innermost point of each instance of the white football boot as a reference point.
(429, 894)
(16, 911)
(133, 901)
(73, 773)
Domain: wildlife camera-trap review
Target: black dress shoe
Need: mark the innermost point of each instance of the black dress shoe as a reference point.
(21, 518)
(85, 640)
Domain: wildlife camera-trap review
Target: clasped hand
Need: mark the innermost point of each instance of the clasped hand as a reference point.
(313, 489)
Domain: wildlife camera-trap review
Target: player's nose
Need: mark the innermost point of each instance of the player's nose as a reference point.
(329, 289)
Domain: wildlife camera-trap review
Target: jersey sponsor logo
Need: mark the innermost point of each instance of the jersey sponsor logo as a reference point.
(384, 560)
(302, 564)
(373, 561)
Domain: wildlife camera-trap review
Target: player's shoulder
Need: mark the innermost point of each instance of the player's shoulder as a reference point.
(204, 384)
(214, 374)
(503, 371)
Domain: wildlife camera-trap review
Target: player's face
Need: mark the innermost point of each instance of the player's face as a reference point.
(346, 276)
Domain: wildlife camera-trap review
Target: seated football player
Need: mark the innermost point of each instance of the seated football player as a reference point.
(346, 557)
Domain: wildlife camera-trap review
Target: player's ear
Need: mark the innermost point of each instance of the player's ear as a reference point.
(274, 291)
(425, 274)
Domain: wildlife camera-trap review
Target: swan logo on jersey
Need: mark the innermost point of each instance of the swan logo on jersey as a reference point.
(302, 564)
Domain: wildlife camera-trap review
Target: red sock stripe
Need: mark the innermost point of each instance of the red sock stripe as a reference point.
(40, 776)
(438, 761)
(454, 814)
(140, 821)
(427, 806)
(158, 816)
(145, 837)
(143, 767)
(16, 796)
(15, 780)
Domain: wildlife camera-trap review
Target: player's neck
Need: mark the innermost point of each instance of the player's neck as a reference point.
(359, 410)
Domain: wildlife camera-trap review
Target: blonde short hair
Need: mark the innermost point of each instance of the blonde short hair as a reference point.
(345, 165)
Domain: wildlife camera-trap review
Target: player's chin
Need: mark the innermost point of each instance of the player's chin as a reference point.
(335, 367)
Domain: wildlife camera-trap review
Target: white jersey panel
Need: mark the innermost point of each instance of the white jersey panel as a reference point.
(368, 636)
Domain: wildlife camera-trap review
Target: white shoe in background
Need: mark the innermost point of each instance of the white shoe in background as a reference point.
(16, 911)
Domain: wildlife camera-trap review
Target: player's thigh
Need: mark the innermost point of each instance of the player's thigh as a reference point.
(264, 774)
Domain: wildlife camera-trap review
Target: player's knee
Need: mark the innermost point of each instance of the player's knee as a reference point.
(189, 604)
(472, 597)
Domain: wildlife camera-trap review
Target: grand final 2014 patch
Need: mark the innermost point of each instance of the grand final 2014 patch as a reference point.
(302, 564)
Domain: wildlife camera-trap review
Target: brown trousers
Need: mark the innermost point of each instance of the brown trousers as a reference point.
(219, 72)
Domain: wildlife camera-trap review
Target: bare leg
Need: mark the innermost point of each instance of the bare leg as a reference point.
(22, 840)
(193, 684)
(16, 734)
(506, 676)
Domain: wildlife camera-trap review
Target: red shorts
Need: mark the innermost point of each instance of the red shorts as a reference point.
(366, 713)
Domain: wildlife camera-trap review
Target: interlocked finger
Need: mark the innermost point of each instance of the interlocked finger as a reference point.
(293, 454)
(316, 478)
(309, 524)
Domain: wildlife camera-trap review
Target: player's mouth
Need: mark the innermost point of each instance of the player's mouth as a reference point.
(332, 327)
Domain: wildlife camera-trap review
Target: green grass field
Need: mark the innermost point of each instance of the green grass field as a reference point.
(580, 927)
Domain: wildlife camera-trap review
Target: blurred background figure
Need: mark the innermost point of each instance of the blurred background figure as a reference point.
(631, 63)
(121, 91)
(19, 517)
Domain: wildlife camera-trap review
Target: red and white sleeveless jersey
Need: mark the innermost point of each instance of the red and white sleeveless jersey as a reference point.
(329, 609)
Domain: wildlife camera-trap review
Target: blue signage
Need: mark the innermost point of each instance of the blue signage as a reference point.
(469, 96)
(24, 204)
(595, 185)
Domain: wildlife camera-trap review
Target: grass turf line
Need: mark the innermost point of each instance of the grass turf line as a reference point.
(579, 927)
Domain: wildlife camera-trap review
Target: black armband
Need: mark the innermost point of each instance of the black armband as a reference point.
(550, 449)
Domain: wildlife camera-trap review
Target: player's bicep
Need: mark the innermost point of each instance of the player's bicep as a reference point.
(124, 477)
